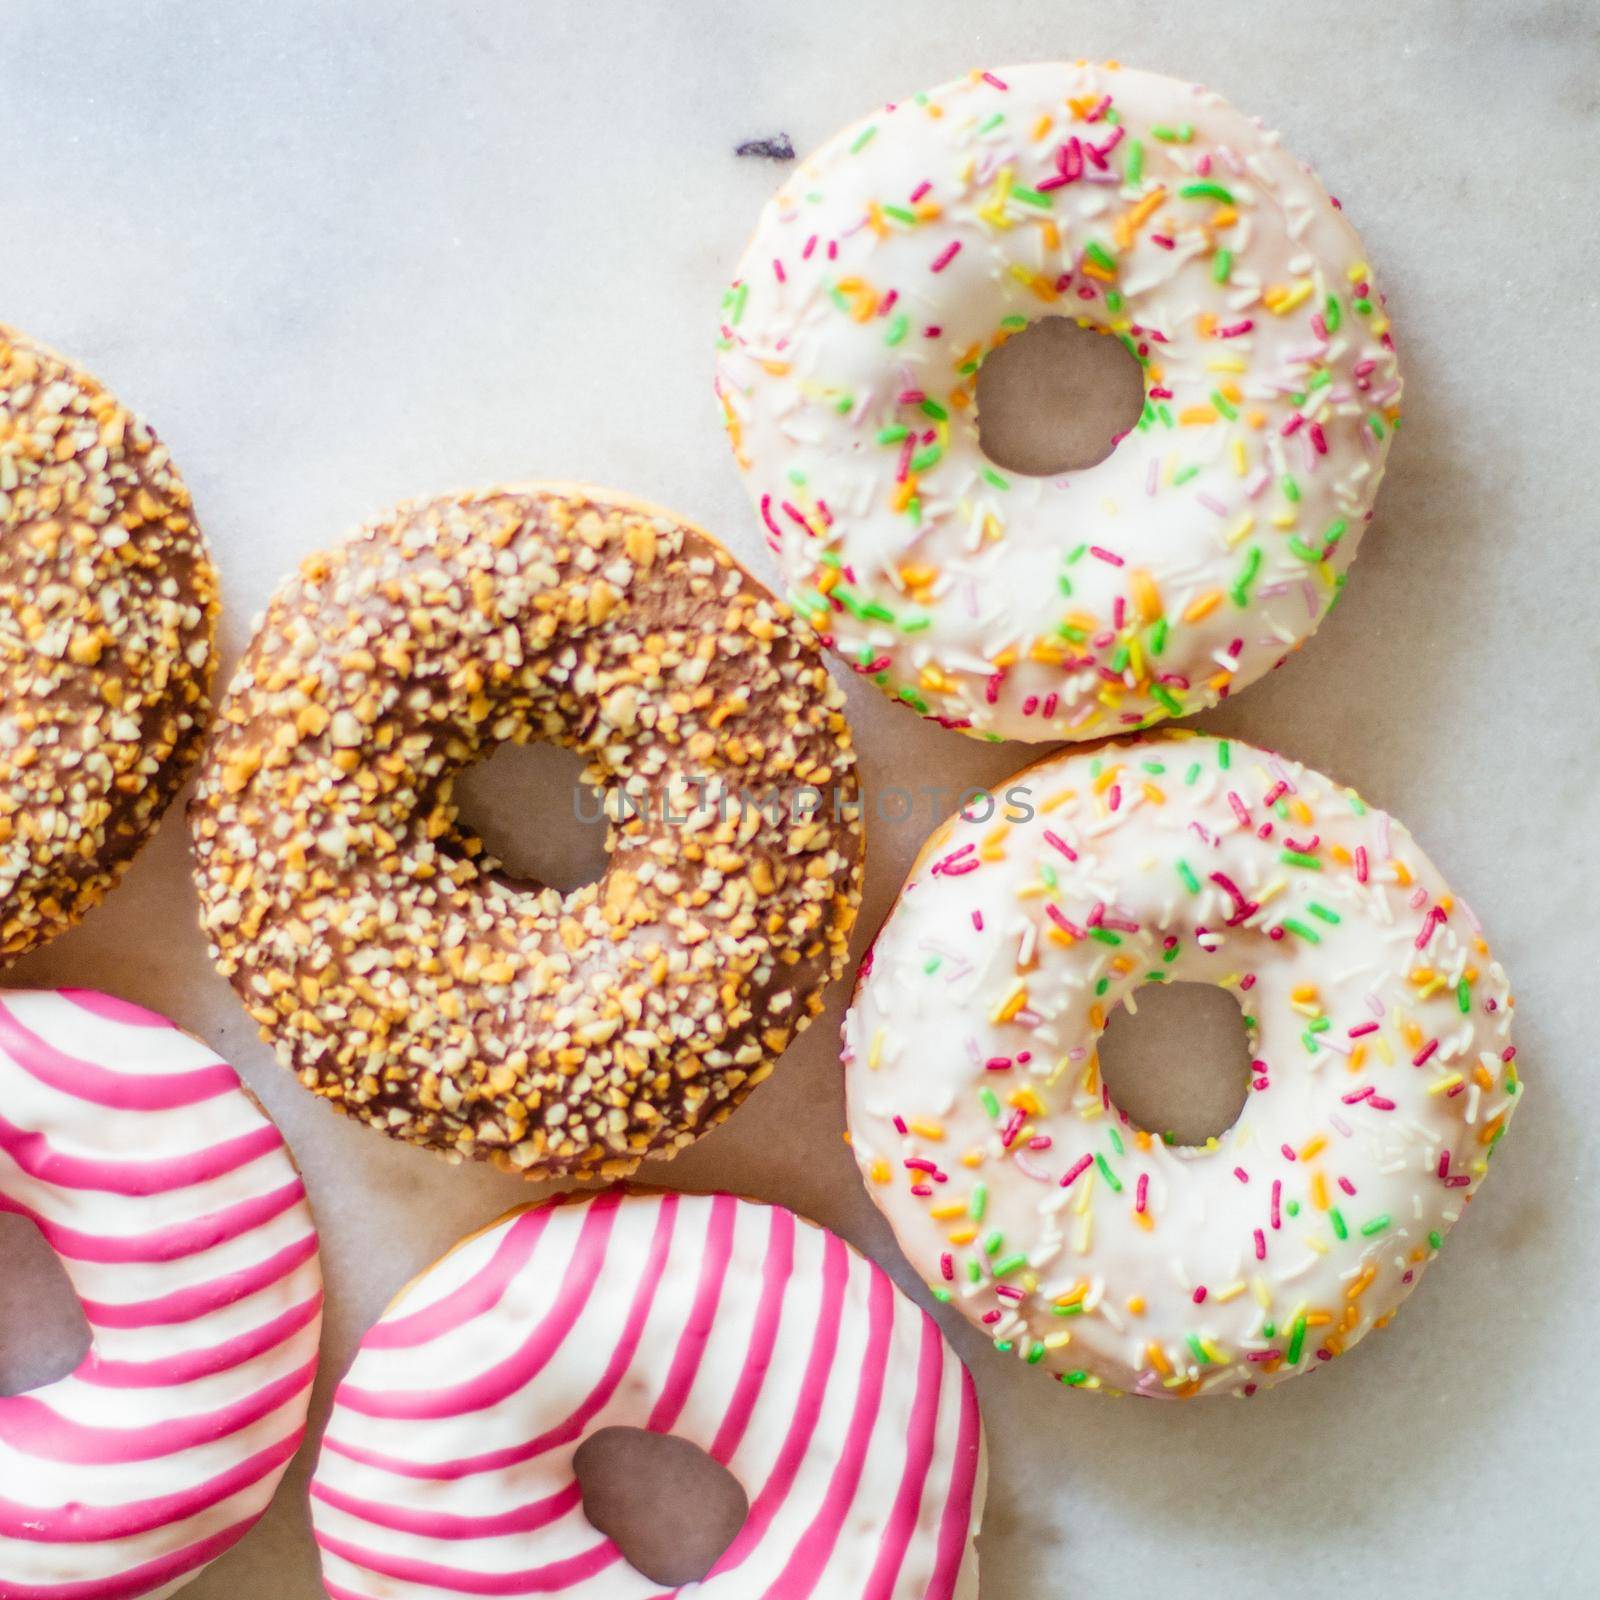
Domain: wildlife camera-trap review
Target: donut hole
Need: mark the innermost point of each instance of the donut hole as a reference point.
(661, 1500)
(1177, 1062)
(536, 816)
(1056, 397)
(43, 1332)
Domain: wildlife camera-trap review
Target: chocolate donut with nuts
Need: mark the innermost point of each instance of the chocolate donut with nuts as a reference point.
(108, 604)
(393, 965)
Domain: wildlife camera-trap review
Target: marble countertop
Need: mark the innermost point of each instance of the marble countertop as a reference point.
(345, 254)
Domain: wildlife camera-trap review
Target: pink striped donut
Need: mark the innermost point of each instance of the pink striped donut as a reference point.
(182, 1223)
(447, 1468)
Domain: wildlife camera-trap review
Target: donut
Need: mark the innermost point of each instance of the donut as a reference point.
(394, 966)
(107, 606)
(447, 1466)
(1382, 1074)
(173, 1204)
(1214, 537)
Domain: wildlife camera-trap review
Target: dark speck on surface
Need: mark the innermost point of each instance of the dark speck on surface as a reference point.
(777, 148)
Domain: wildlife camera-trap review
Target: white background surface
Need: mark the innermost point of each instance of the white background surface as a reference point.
(345, 254)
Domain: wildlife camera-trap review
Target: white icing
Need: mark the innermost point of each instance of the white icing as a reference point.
(1344, 1002)
(817, 361)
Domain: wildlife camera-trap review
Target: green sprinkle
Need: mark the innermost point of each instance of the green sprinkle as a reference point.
(914, 700)
(1435, 1238)
(737, 298)
(1331, 313)
(916, 624)
(1297, 1340)
(991, 123)
(926, 458)
(1323, 912)
(1377, 1225)
(1133, 172)
(893, 434)
(863, 137)
(1036, 1354)
(1224, 755)
(1293, 1208)
(1231, 412)
(1463, 996)
(1158, 636)
(900, 214)
(979, 1203)
(1339, 1228)
(1197, 1349)
(1241, 587)
(1073, 1308)
(1011, 1263)
(1108, 1174)
(1030, 197)
(932, 408)
(898, 325)
(1186, 872)
(1310, 935)
(1206, 191)
(1105, 936)
(989, 1101)
(1116, 1142)
(1074, 1380)
(990, 476)
(1221, 266)
(1291, 489)
(941, 1294)
(1101, 257)
(1159, 691)
(1304, 551)
(991, 1245)
(1183, 475)
(1191, 777)
(1298, 858)
(1173, 135)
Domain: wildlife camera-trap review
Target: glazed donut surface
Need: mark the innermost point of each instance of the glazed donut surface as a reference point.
(447, 1467)
(176, 1210)
(1208, 544)
(1383, 1074)
(397, 971)
(107, 606)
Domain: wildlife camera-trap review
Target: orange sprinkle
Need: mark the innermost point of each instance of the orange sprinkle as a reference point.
(1197, 416)
(1145, 594)
(1157, 1357)
(1202, 605)
(1359, 1285)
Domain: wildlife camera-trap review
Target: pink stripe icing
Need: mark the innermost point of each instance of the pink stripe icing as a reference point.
(109, 1086)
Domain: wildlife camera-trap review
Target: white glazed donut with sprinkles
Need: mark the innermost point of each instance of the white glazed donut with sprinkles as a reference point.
(1383, 1073)
(1207, 545)
(792, 1361)
(176, 1210)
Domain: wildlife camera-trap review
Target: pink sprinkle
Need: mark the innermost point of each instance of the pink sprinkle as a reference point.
(1234, 329)
(1361, 863)
(989, 77)
(811, 244)
(777, 270)
(1378, 1103)
(1106, 555)
(1076, 1171)
(1057, 843)
(1434, 917)
(1056, 915)
(1355, 1098)
(1277, 1197)
(1361, 1029)
(1261, 1248)
(945, 256)
(947, 1267)
(1142, 1193)
(1422, 1055)
(1006, 1292)
(977, 920)
(1241, 1175)
(1200, 1295)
